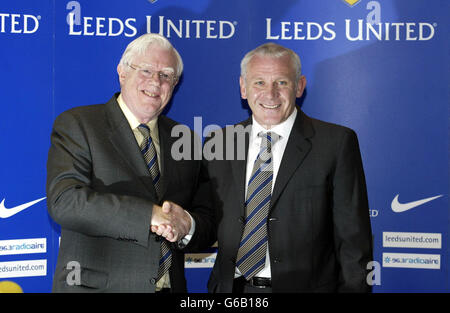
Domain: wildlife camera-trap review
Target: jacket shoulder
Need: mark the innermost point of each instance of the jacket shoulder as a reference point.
(332, 129)
(85, 112)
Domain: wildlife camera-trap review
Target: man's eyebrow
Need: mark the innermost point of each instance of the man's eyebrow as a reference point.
(170, 69)
(163, 69)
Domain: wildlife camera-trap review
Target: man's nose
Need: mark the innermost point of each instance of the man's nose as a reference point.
(273, 91)
(154, 78)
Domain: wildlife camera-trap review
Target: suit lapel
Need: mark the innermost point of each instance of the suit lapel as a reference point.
(238, 167)
(123, 140)
(167, 162)
(297, 148)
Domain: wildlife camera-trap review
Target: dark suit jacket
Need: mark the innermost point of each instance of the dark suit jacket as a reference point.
(318, 228)
(100, 191)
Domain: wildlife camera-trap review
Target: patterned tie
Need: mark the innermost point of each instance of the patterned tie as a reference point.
(251, 256)
(149, 152)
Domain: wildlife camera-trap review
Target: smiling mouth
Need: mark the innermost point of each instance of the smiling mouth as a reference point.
(150, 94)
(275, 106)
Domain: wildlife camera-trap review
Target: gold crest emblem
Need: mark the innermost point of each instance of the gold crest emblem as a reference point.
(352, 2)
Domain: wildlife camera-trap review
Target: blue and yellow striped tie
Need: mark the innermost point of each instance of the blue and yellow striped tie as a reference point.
(251, 255)
(151, 158)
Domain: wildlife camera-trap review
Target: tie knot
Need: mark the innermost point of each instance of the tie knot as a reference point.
(145, 130)
(268, 139)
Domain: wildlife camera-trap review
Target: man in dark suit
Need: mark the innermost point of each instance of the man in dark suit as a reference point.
(292, 213)
(112, 182)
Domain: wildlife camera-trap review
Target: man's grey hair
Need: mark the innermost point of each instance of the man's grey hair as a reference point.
(275, 51)
(140, 45)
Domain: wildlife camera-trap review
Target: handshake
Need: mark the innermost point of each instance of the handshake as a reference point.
(170, 221)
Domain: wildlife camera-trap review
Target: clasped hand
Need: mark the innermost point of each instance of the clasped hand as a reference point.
(170, 221)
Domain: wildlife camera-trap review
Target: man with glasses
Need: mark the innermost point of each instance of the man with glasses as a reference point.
(117, 191)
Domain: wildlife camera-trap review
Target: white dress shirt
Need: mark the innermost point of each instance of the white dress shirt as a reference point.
(283, 130)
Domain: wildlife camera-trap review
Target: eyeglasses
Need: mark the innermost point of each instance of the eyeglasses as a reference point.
(147, 72)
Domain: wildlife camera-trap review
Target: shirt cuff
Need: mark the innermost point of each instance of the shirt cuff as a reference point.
(185, 240)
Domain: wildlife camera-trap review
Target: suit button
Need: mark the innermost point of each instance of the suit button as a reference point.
(158, 238)
(241, 220)
(153, 281)
(276, 260)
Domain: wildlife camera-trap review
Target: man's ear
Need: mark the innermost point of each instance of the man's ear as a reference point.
(243, 89)
(301, 85)
(176, 82)
(122, 73)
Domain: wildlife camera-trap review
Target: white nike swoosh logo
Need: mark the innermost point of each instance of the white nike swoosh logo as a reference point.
(398, 207)
(5, 213)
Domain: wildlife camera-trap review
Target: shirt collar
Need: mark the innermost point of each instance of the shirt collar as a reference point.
(132, 120)
(283, 129)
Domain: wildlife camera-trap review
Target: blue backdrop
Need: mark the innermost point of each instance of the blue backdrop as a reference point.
(379, 67)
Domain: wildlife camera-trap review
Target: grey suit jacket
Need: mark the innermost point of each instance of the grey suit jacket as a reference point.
(318, 227)
(100, 191)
